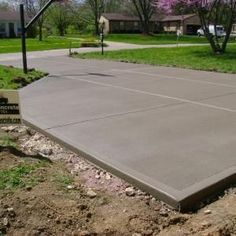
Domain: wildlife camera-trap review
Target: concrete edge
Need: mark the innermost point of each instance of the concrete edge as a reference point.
(211, 187)
(180, 200)
(161, 195)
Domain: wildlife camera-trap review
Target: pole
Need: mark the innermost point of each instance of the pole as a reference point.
(23, 35)
(102, 42)
(102, 38)
(24, 29)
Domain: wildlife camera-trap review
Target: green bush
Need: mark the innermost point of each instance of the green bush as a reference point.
(72, 30)
(90, 29)
(32, 32)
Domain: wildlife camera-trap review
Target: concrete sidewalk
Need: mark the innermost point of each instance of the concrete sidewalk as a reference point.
(170, 131)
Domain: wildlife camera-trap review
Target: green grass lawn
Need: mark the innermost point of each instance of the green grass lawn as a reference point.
(199, 58)
(14, 45)
(152, 40)
(13, 78)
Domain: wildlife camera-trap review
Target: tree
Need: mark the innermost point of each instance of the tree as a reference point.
(97, 7)
(145, 10)
(181, 8)
(113, 5)
(4, 6)
(32, 8)
(211, 12)
(60, 16)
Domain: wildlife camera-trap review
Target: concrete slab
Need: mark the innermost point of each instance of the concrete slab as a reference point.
(172, 136)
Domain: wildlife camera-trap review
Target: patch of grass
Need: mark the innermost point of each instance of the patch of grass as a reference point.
(62, 179)
(6, 141)
(19, 176)
(199, 58)
(153, 39)
(14, 45)
(14, 78)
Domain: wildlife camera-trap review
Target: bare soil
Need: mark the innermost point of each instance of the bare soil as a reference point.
(66, 195)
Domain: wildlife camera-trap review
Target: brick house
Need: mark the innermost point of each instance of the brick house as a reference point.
(118, 23)
(9, 24)
(188, 24)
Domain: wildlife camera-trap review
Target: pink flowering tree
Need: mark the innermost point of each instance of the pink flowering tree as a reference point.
(211, 12)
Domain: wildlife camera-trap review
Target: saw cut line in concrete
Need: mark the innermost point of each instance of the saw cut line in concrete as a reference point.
(169, 131)
(160, 95)
(178, 78)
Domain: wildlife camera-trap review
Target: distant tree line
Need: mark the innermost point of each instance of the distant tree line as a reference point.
(82, 16)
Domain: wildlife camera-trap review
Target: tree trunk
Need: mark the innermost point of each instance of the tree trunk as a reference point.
(96, 17)
(217, 47)
(40, 32)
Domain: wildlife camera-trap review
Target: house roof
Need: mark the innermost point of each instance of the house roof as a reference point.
(121, 17)
(177, 17)
(9, 15)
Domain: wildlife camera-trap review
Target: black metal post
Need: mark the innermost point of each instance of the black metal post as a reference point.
(24, 29)
(23, 36)
(102, 38)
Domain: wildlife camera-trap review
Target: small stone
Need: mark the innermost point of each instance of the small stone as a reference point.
(136, 234)
(70, 187)
(130, 191)
(147, 232)
(9, 128)
(5, 222)
(140, 193)
(11, 212)
(205, 224)
(97, 177)
(108, 176)
(207, 212)
(10, 209)
(84, 233)
(90, 193)
(157, 208)
(47, 151)
(163, 212)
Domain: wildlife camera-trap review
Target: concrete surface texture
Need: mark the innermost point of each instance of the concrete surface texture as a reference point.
(170, 131)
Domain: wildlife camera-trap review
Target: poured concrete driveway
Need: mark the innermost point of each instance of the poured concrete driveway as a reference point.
(170, 131)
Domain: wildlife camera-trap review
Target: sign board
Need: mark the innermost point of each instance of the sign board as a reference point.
(10, 107)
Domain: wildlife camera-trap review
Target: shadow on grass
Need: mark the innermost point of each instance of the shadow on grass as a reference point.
(230, 54)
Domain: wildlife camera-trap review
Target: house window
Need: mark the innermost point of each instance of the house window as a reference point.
(2, 28)
(136, 24)
(121, 23)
